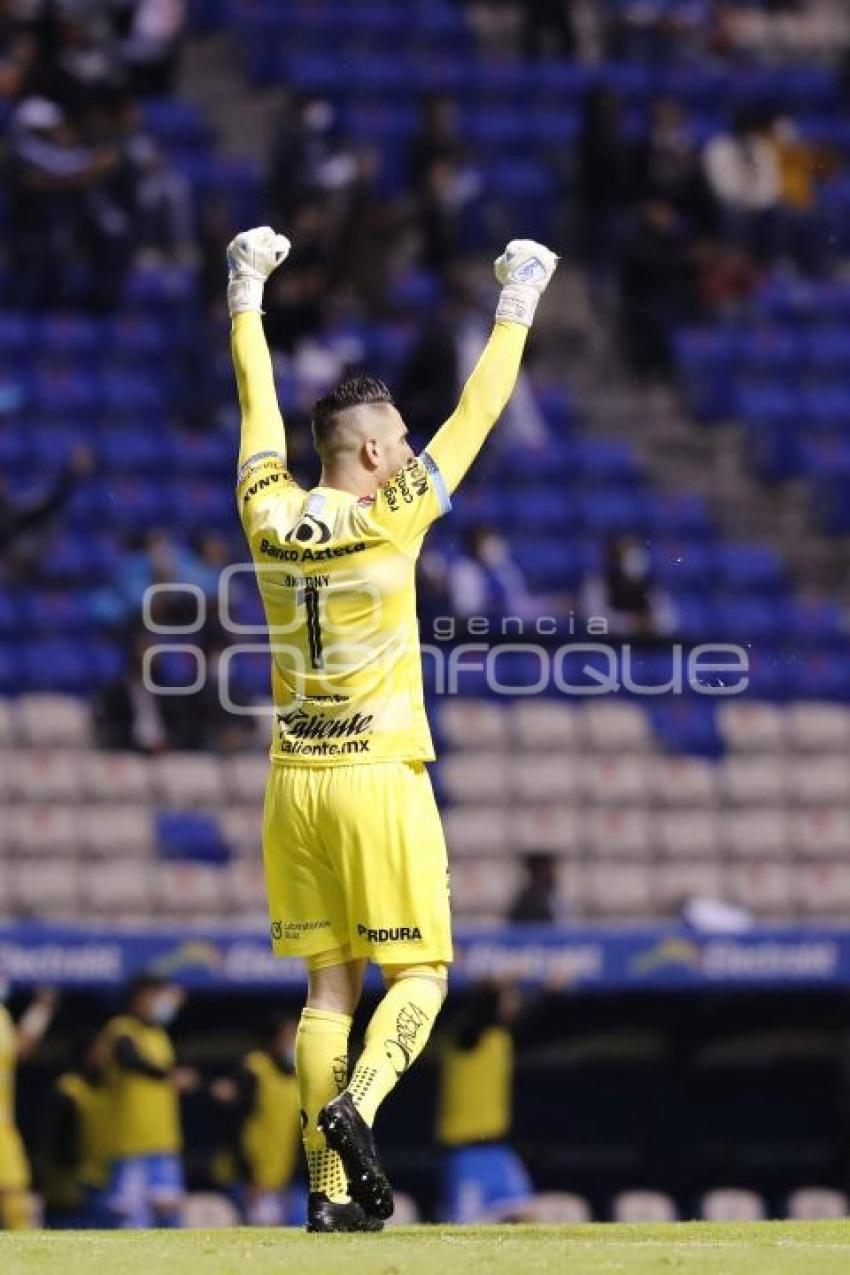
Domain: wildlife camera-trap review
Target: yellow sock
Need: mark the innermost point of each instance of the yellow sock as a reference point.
(15, 1211)
(396, 1035)
(321, 1065)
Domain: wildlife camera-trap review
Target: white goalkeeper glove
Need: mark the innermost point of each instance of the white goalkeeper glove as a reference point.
(251, 258)
(524, 270)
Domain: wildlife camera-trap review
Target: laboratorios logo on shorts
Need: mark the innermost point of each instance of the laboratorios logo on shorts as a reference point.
(409, 484)
(295, 929)
(390, 934)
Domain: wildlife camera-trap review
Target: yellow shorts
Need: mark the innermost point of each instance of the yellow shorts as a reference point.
(355, 858)
(14, 1168)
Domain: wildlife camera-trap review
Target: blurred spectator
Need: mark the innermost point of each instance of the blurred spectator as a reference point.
(484, 580)
(83, 64)
(127, 716)
(150, 32)
(482, 1177)
(657, 285)
(308, 158)
(439, 138)
(76, 1146)
(68, 240)
(297, 299)
(164, 228)
(743, 171)
(448, 188)
(548, 27)
(668, 167)
(17, 1042)
(148, 710)
(268, 1154)
(17, 53)
(726, 277)
(143, 1085)
(605, 164)
(23, 520)
(801, 165)
(625, 594)
(369, 230)
(536, 901)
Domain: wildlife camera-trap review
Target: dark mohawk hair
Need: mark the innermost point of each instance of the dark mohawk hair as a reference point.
(353, 392)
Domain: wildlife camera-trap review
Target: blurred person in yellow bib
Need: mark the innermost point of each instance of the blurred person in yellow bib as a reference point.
(267, 1139)
(17, 1042)
(143, 1084)
(77, 1147)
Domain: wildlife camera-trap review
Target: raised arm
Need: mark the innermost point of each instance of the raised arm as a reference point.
(524, 270)
(251, 258)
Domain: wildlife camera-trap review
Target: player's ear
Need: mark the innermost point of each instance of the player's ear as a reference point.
(371, 453)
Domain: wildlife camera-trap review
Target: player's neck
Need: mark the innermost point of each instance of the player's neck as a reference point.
(357, 482)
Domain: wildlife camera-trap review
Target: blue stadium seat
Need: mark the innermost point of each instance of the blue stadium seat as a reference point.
(539, 508)
(681, 516)
(160, 287)
(17, 332)
(696, 617)
(830, 505)
(498, 129)
(827, 349)
(823, 674)
(752, 567)
(682, 565)
(66, 391)
(555, 127)
(606, 460)
(61, 335)
(140, 335)
(441, 74)
(80, 558)
(202, 455)
(503, 79)
(743, 618)
(11, 613)
(825, 406)
(687, 724)
(766, 350)
(190, 835)
(174, 123)
(814, 620)
(202, 505)
(809, 86)
(133, 394)
(134, 451)
(556, 79)
(63, 612)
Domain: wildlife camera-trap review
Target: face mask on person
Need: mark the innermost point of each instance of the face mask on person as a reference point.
(493, 551)
(635, 563)
(164, 1009)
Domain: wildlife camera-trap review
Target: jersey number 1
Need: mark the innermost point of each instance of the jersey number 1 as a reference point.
(310, 597)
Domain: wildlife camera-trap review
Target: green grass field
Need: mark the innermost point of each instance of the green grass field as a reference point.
(693, 1248)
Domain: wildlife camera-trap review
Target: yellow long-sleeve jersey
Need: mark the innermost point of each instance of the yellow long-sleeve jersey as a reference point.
(337, 573)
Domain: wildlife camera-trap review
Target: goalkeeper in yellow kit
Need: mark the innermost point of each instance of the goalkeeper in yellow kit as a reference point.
(354, 853)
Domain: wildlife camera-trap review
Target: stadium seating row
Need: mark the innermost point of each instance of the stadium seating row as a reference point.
(211, 1211)
(217, 833)
(533, 724)
(147, 891)
(553, 774)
